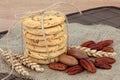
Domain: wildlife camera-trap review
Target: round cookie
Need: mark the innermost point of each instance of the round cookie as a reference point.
(51, 18)
(43, 49)
(46, 61)
(39, 55)
(50, 42)
(52, 30)
(38, 37)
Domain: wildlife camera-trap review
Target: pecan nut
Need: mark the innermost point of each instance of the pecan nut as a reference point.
(68, 60)
(96, 46)
(103, 65)
(74, 70)
(88, 65)
(108, 49)
(105, 43)
(107, 60)
(87, 43)
(57, 66)
(77, 53)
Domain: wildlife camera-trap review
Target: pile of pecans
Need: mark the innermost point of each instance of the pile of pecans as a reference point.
(99, 49)
(77, 61)
(102, 45)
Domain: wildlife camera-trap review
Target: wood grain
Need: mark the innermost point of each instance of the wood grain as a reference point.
(10, 8)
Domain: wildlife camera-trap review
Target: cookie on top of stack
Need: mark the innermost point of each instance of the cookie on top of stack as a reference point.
(55, 33)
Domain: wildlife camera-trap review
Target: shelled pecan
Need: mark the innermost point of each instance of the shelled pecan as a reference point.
(108, 49)
(105, 43)
(107, 60)
(103, 65)
(88, 65)
(87, 43)
(57, 66)
(74, 70)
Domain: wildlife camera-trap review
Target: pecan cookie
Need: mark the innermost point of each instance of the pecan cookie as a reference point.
(48, 31)
(51, 18)
(39, 55)
(43, 61)
(50, 42)
(40, 37)
(43, 48)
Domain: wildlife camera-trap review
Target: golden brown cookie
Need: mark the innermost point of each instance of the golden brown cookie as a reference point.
(39, 55)
(50, 42)
(48, 31)
(51, 18)
(38, 37)
(46, 61)
(43, 48)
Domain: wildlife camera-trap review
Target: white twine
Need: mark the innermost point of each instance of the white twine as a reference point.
(44, 36)
(66, 30)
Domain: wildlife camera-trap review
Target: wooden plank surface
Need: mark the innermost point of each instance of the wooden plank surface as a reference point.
(10, 8)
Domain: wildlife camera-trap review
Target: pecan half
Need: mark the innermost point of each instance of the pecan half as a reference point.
(103, 65)
(87, 43)
(57, 66)
(107, 60)
(88, 65)
(108, 49)
(96, 46)
(74, 70)
(105, 43)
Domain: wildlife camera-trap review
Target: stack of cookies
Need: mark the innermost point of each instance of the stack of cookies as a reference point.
(53, 35)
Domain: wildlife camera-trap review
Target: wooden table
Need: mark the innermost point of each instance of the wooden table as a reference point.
(9, 8)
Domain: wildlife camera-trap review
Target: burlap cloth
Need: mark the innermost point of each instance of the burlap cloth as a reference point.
(77, 34)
